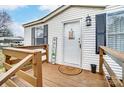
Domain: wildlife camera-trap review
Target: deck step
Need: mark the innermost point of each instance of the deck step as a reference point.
(15, 81)
(21, 82)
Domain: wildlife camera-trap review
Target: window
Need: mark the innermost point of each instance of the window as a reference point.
(39, 35)
(115, 30)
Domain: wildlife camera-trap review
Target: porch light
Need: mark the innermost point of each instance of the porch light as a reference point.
(88, 20)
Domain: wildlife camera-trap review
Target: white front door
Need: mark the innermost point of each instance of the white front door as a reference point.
(72, 43)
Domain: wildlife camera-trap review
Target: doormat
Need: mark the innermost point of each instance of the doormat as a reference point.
(69, 70)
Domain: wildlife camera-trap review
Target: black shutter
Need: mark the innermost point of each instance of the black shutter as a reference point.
(45, 34)
(33, 36)
(100, 31)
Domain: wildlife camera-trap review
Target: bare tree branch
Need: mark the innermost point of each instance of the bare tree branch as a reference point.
(5, 21)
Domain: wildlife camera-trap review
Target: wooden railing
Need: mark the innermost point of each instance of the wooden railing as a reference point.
(26, 55)
(44, 47)
(118, 57)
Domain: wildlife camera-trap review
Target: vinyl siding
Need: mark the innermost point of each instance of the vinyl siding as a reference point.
(27, 36)
(89, 45)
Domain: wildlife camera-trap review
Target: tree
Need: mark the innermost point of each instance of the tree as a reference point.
(5, 20)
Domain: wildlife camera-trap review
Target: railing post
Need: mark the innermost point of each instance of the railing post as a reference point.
(101, 61)
(123, 73)
(7, 59)
(34, 62)
(47, 53)
(37, 68)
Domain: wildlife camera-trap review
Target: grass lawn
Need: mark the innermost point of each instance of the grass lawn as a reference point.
(1, 61)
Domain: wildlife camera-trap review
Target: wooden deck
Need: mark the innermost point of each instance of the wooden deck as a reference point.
(53, 78)
(49, 75)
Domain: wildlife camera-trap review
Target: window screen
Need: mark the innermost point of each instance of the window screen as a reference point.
(39, 35)
(115, 30)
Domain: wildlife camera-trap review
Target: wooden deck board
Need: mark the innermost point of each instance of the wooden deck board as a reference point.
(86, 78)
(53, 78)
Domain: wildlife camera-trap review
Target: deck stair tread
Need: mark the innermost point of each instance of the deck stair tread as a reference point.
(18, 81)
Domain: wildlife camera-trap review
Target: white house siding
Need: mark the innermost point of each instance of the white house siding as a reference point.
(55, 27)
(27, 36)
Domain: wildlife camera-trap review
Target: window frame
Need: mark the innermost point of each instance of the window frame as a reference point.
(113, 34)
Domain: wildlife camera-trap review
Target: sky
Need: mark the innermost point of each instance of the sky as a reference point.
(21, 14)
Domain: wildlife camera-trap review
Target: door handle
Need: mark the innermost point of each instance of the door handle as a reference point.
(80, 45)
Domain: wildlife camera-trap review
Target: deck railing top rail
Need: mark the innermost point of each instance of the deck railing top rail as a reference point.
(116, 54)
(21, 50)
(42, 46)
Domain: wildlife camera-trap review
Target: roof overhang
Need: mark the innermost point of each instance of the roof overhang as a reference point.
(56, 12)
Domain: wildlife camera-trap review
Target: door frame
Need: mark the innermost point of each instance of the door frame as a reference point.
(71, 21)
